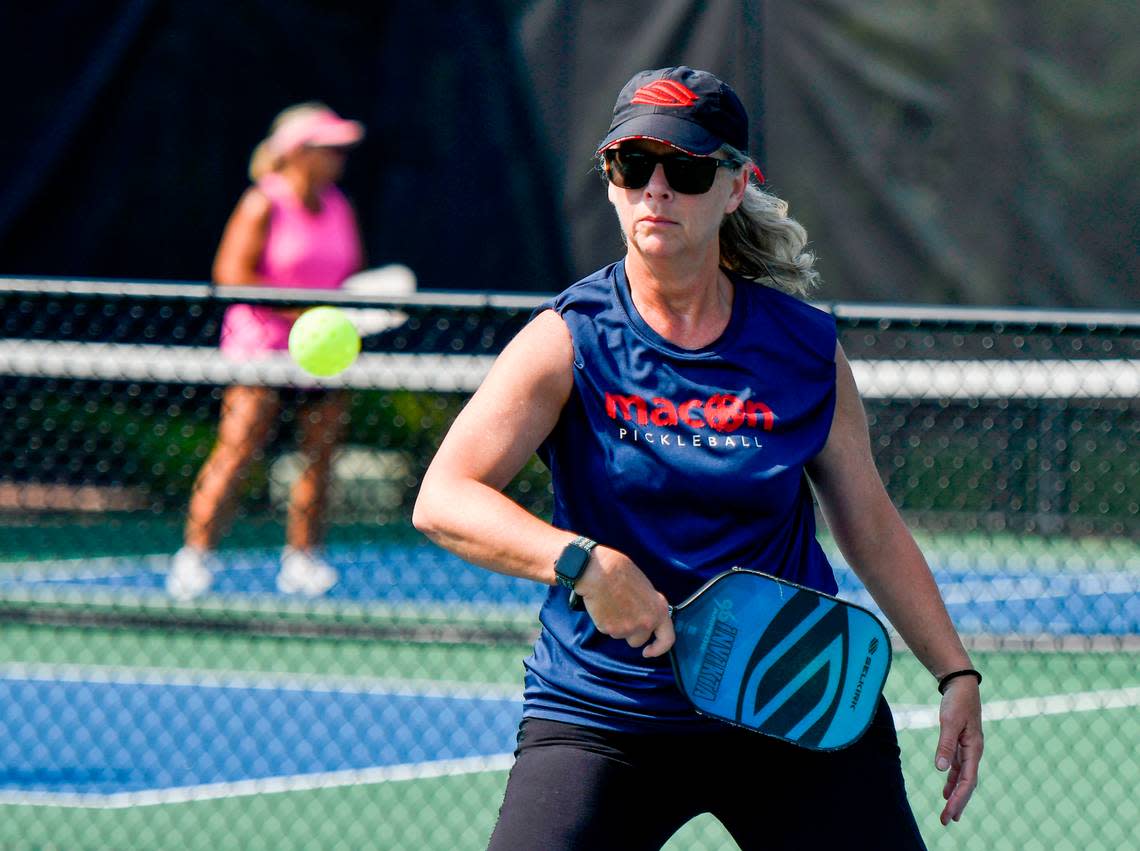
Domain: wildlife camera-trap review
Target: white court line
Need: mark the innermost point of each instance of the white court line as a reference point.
(266, 786)
(116, 567)
(230, 679)
(1035, 588)
(924, 717)
(1022, 588)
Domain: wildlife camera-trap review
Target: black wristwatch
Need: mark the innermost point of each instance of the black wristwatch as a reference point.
(572, 564)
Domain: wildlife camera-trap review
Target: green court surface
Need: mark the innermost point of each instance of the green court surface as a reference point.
(1054, 776)
(1061, 767)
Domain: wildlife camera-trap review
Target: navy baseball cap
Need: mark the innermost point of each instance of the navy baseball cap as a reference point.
(688, 109)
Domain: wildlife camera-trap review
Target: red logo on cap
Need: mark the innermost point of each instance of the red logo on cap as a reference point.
(665, 93)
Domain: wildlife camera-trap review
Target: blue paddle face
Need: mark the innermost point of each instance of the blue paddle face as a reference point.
(780, 659)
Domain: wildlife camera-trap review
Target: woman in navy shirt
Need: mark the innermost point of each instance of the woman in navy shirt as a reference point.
(688, 403)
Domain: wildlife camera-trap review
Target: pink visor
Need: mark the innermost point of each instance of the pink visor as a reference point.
(323, 128)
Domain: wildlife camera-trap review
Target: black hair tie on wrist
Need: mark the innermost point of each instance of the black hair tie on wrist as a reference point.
(945, 681)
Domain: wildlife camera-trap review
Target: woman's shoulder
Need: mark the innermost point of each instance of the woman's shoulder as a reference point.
(789, 322)
(589, 295)
(790, 307)
(781, 299)
(254, 205)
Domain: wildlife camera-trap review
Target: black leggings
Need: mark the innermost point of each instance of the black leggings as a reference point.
(575, 787)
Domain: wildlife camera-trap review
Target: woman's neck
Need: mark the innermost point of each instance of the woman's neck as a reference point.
(303, 186)
(688, 305)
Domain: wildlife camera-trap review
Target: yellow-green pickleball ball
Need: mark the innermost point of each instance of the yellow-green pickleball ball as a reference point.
(324, 341)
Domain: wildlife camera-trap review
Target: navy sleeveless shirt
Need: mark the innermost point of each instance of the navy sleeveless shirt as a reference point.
(689, 461)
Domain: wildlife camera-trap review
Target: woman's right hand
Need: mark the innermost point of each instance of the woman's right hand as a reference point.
(624, 604)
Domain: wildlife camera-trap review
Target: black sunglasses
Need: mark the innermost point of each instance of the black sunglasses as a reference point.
(631, 169)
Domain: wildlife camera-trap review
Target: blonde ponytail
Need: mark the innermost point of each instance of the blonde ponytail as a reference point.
(760, 241)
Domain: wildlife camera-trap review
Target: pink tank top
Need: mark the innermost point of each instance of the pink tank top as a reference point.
(316, 250)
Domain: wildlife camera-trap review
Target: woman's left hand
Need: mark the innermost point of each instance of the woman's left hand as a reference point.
(960, 744)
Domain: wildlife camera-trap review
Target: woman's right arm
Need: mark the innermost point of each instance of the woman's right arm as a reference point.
(460, 505)
(462, 508)
(239, 252)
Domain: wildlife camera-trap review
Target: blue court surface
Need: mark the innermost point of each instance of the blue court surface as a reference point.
(118, 738)
(92, 736)
(408, 577)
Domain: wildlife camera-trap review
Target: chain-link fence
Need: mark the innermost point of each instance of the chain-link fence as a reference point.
(381, 714)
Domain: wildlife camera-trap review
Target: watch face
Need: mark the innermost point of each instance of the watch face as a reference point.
(571, 564)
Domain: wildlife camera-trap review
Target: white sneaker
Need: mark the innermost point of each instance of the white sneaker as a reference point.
(189, 575)
(304, 573)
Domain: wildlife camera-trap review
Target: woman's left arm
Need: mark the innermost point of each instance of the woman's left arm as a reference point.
(361, 250)
(880, 549)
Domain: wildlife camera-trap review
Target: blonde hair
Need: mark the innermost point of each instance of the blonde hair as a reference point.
(759, 240)
(265, 159)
